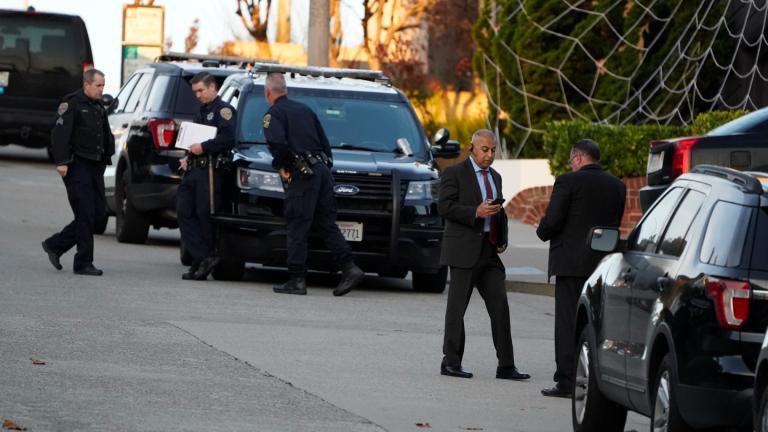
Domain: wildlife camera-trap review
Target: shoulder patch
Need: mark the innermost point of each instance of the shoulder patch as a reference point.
(225, 113)
(267, 119)
(63, 107)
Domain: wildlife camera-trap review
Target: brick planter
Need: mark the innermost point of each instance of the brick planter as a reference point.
(529, 205)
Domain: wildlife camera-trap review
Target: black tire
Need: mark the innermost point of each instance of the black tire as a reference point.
(430, 282)
(184, 256)
(131, 226)
(227, 270)
(101, 225)
(666, 418)
(761, 416)
(591, 411)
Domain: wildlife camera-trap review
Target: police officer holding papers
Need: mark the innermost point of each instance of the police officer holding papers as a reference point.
(193, 198)
(82, 145)
(302, 154)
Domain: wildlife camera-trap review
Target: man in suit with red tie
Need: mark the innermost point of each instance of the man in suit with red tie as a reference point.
(475, 235)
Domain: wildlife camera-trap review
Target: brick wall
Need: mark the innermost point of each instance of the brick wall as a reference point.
(529, 205)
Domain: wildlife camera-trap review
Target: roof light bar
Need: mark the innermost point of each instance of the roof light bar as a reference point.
(316, 71)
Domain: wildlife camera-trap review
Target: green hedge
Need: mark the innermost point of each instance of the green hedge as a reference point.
(624, 148)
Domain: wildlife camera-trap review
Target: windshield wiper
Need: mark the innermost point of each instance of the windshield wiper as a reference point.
(347, 146)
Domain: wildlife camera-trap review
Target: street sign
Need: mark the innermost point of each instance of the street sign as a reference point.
(143, 36)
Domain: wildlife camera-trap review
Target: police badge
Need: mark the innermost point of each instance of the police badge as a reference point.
(209, 117)
(267, 118)
(225, 113)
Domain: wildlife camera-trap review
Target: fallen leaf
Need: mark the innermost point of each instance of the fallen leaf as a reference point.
(423, 425)
(9, 425)
(37, 362)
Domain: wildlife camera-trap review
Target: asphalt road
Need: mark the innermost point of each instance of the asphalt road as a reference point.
(141, 350)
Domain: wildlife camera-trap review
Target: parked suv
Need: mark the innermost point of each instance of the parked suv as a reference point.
(383, 166)
(141, 183)
(42, 59)
(739, 144)
(671, 325)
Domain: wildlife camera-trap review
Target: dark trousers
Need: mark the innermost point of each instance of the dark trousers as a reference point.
(567, 292)
(193, 212)
(85, 190)
(488, 275)
(310, 205)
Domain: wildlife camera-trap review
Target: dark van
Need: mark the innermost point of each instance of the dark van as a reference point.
(42, 58)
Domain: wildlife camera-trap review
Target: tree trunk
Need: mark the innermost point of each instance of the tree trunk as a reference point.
(283, 21)
(317, 54)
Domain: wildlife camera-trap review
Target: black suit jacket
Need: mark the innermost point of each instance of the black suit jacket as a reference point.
(580, 201)
(457, 202)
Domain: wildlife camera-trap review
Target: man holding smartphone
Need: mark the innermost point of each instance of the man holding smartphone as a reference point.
(475, 234)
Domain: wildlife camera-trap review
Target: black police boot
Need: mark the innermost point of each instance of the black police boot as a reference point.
(53, 257)
(190, 274)
(295, 285)
(89, 270)
(350, 277)
(206, 267)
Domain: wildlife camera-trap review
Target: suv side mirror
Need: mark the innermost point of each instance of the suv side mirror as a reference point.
(109, 103)
(603, 239)
(448, 150)
(441, 137)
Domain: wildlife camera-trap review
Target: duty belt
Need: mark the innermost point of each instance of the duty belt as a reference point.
(202, 162)
(315, 158)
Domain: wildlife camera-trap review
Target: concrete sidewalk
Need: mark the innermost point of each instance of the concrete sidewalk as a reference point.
(526, 261)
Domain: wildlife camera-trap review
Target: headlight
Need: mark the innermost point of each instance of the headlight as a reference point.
(256, 179)
(422, 190)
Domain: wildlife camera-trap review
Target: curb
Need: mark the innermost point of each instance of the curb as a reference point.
(535, 288)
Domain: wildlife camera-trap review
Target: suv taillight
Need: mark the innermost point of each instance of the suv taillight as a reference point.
(681, 158)
(731, 301)
(87, 66)
(163, 132)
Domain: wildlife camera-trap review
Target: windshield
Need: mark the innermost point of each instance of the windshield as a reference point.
(36, 44)
(363, 124)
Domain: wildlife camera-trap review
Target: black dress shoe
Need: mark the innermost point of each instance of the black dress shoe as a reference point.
(349, 279)
(455, 371)
(295, 285)
(190, 274)
(206, 267)
(511, 373)
(53, 257)
(89, 271)
(556, 391)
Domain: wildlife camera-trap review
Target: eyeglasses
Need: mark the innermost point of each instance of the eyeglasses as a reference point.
(574, 156)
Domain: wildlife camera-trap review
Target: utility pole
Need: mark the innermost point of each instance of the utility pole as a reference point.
(319, 20)
(283, 21)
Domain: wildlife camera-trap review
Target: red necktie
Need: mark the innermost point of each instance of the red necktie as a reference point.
(493, 234)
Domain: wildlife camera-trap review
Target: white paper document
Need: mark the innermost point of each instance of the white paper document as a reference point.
(193, 133)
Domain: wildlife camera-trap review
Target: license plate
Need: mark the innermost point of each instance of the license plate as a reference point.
(4, 79)
(352, 231)
(655, 161)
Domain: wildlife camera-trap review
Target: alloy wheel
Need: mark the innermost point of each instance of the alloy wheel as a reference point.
(661, 405)
(581, 389)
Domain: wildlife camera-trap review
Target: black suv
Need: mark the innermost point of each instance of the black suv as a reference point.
(141, 183)
(739, 144)
(42, 59)
(671, 325)
(383, 166)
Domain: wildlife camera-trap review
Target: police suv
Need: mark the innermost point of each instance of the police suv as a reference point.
(384, 170)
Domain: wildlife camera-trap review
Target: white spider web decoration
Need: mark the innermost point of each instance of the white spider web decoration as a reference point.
(641, 75)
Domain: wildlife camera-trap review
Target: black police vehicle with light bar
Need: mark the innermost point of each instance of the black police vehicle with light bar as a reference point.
(384, 170)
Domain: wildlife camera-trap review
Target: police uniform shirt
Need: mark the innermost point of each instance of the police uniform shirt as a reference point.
(223, 117)
(306, 132)
(82, 130)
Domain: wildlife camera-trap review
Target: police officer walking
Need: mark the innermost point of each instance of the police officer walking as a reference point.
(82, 145)
(302, 154)
(192, 198)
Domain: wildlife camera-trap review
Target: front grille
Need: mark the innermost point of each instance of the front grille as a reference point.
(374, 193)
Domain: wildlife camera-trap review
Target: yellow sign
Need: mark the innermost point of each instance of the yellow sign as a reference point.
(143, 25)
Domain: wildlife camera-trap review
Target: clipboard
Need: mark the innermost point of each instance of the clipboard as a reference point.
(193, 133)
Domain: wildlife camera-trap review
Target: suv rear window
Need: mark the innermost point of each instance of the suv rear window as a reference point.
(36, 44)
(186, 102)
(760, 252)
(725, 234)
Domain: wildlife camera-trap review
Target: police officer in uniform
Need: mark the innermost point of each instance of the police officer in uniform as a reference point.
(293, 132)
(192, 197)
(82, 145)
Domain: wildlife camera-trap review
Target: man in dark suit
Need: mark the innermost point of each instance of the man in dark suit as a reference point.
(475, 234)
(581, 200)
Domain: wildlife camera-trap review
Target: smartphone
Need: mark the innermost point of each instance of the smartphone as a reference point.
(497, 201)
